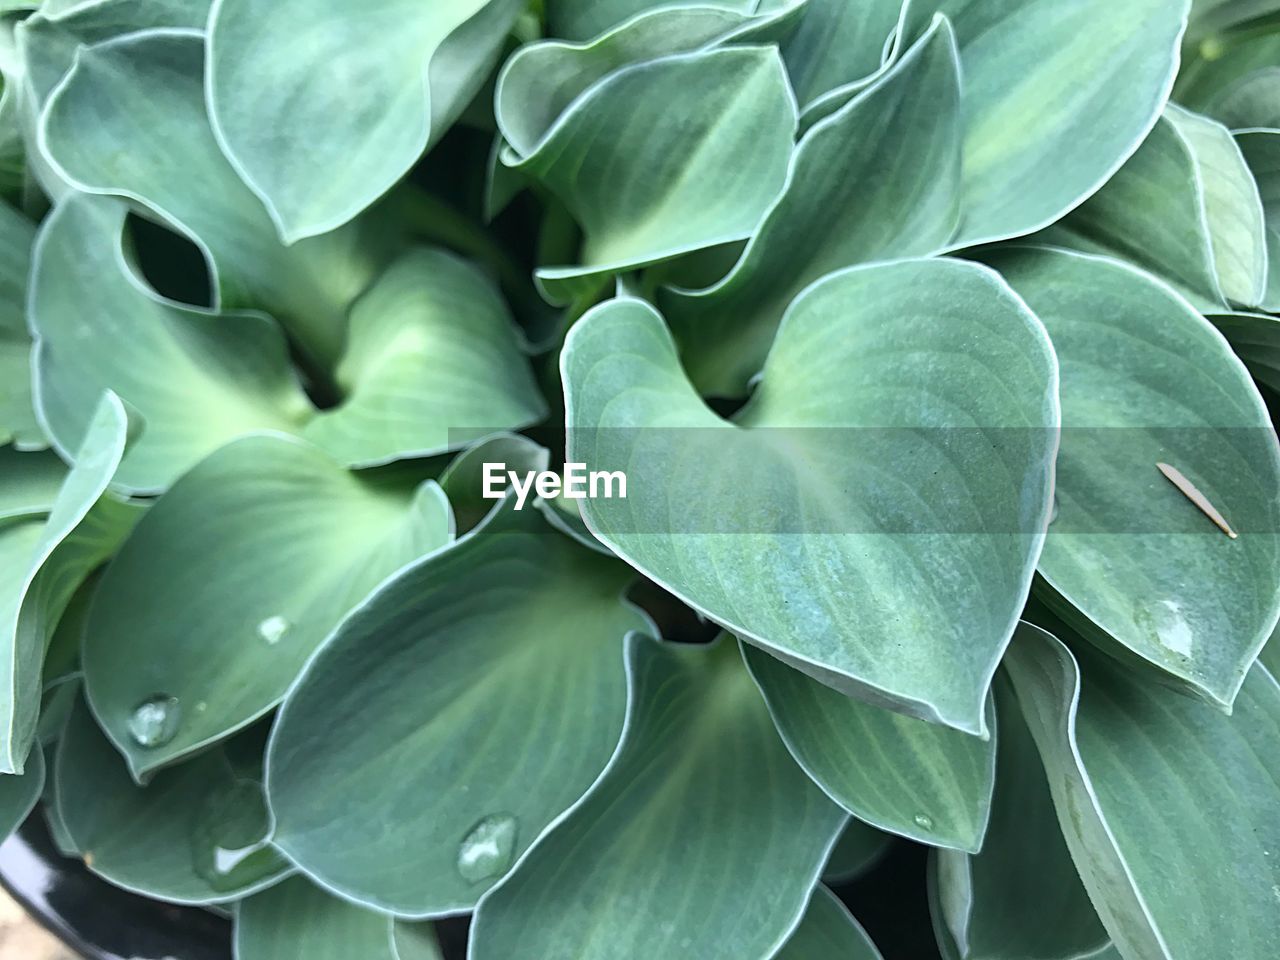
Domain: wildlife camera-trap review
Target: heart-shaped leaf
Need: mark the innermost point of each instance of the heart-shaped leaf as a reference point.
(83, 528)
(497, 667)
(878, 180)
(196, 834)
(232, 580)
(919, 780)
(612, 159)
(828, 932)
(432, 362)
(130, 120)
(297, 918)
(1130, 560)
(197, 379)
(700, 789)
(1039, 139)
(18, 423)
(1138, 776)
(877, 451)
(402, 70)
(1021, 896)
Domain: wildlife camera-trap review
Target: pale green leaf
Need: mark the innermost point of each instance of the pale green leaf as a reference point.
(700, 789)
(1020, 898)
(83, 528)
(196, 378)
(1056, 97)
(878, 180)
(1233, 208)
(196, 834)
(295, 918)
(1233, 78)
(828, 932)
(401, 70)
(232, 580)
(1171, 809)
(919, 780)
(665, 157)
(1261, 150)
(463, 480)
(1130, 560)
(588, 19)
(18, 423)
(836, 472)
(1152, 213)
(542, 80)
(837, 42)
(496, 667)
(432, 363)
(130, 120)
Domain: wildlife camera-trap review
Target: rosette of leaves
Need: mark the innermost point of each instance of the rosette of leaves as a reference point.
(892, 313)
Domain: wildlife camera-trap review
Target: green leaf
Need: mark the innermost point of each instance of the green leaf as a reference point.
(433, 362)
(496, 667)
(1020, 897)
(403, 71)
(1171, 809)
(130, 120)
(1130, 560)
(20, 791)
(1234, 79)
(296, 918)
(919, 780)
(542, 80)
(196, 834)
(1261, 150)
(83, 528)
(857, 851)
(831, 474)
(1153, 214)
(1038, 137)
(463, 480)
(232, 580)
(31, 482)
(196, 378)
(828, 932)
(640, 159)
(700, 789)
(1255, 337)
(588, 19)
(1233, 208)
(878, 180)
(837, 42)
(18, 424)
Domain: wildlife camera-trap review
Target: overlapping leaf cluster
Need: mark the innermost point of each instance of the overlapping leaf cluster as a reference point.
(277, 278)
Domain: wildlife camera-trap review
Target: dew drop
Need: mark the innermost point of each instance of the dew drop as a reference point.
(273, 628)
(229, 838)
(487, 849)
(923, 821)
(154, 722)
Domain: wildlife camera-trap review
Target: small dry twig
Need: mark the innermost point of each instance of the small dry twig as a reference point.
(1174, 476)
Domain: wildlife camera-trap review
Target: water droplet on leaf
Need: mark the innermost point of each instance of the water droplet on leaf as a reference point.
(273, 628)
(154, 722)
(487, 850)
(229, 844)
(923, 821)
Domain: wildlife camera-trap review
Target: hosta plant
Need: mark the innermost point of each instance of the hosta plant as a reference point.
(933, 343)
